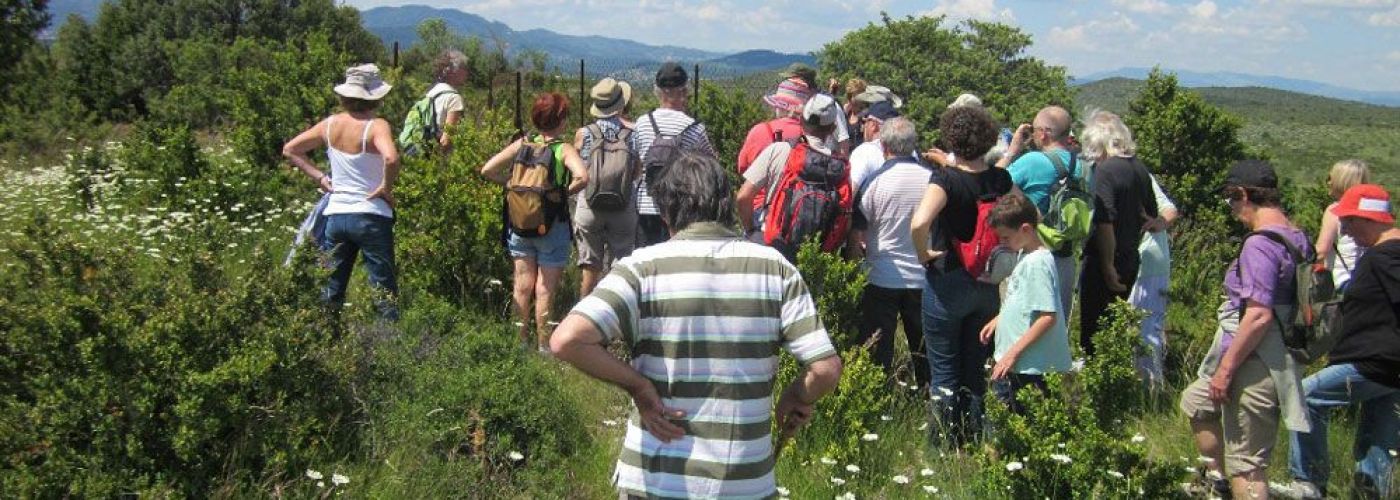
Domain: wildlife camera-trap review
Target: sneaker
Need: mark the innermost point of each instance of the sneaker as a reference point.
(1296, 490)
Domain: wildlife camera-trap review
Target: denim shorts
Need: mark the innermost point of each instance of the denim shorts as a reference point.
(550, 250)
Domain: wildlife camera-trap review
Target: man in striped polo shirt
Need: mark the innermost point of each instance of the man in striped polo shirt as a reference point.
(670, 120)
(703, 315)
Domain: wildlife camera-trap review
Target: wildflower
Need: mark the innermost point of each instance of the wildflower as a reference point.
(828, 461)
(1138, 438)
(515, 456)
(852, 468)
(1014, 466)
(338, 479)
(931, 489)
(924, 427)
(886, 418)
(610, 423)
(783, 491)
(902, 383)
(1064, 459)
(847, 496)
(494, 282)
(320, 484)
(313, 474)
(926, 472)
(1077, 365)
(870, 437)
(838, 481)
(1116, 474)
(901, 479)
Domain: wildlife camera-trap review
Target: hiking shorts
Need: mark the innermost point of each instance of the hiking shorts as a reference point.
(604, 237)
(1249, 418)
(550, 250)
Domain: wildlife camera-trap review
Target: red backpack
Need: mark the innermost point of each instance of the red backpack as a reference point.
(977, 252)
(812, 199)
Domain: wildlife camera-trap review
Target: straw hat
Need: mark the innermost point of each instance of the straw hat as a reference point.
(609, 97)
(363, 82)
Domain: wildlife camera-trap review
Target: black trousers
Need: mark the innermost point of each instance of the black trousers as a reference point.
(1094, 298)
(882, 308)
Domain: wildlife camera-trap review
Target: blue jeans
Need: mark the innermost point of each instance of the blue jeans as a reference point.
(956, 307)
(372, 236)
(1377, 433)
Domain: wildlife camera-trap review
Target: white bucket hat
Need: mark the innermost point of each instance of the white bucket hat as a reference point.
(877, 93)
(363, 82)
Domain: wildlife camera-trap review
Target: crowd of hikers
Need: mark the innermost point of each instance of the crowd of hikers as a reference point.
(977, 247)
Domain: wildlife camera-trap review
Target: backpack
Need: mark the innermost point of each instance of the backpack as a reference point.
(1069, 220)
(1316, 321)
(811, 199)
(420, 128)
(535, 192)
(976, 253)
(612, 170)
(664, 149)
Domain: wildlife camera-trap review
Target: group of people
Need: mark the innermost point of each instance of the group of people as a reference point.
(973, 247)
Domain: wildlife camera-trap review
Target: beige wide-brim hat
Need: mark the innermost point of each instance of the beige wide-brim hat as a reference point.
(610, 97)
(363, 82)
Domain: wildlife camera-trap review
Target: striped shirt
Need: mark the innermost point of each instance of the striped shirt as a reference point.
(704, 315)
(671, 122)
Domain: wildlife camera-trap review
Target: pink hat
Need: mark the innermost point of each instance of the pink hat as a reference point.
(790, 95)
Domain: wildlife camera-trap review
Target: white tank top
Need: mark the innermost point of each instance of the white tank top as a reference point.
(1343, 259)
(353, 177)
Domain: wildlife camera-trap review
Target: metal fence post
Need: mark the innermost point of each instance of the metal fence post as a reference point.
(697, 85)
(519, 127)
(582, 95)
(396, 54)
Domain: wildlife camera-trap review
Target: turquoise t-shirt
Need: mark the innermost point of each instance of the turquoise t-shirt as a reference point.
(1034, 174)
(1032, 288)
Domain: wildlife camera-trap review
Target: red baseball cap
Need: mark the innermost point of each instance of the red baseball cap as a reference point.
(1367, 201)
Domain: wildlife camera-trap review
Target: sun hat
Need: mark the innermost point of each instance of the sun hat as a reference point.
(1367, 201)
(363, 82)
(790, 95)
(876, 93)
(821, 110)
(1251, 174)
(964, 100)
(671, 75)
(609, 97)
(880, 111)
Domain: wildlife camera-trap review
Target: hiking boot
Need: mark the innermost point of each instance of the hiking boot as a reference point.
(1296, 490)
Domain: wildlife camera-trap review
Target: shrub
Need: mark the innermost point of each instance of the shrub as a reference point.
(836, 285)
(1070, 442)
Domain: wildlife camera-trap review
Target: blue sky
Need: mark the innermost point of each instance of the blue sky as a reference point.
(1353, 43)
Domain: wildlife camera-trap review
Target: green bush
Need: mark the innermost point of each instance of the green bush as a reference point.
(836, 285)
(1071, 443)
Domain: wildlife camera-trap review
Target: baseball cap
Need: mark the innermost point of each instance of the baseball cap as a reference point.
(880, 111)
(671, 75)
(802, 71)
(1367, 201)
(821, 110)
(1251, 173)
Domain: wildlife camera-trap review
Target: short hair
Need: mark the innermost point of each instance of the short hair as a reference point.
(818, 130)
(447, 62)
(549, 111)
(1056, 119)
(696, 188)
(898, 136)
(968, 131)
(355, 105)
(664, 93)
(1106, 135)
(1013, 210)
(1345, 174)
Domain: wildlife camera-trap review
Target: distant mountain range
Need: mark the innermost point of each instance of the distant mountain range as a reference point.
(1228, 79)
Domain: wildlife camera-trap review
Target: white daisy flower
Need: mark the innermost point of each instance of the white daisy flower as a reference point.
(1116, 474)
(931, 489)
(1014, 466)
(901, 479)
(1138, 438)
(838, 481)
(313, 474)
(1064, 459)
(870, 437)
(828, 461)
(886, 418)
(515, 456)
(783, 491)
(338, 479)
(852, 468)
(926, 472)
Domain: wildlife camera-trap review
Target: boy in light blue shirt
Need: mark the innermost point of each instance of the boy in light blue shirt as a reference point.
(1030, 331)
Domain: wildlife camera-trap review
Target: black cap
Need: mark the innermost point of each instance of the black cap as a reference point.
(1252, 173)
(671, 75)
(881, 110)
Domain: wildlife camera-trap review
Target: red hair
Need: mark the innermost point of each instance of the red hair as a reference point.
(549, 111)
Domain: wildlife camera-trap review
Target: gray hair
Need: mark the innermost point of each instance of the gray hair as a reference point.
(670, 94)
(1105, 135)
(898, 137)
(695, 188)
(447, 62)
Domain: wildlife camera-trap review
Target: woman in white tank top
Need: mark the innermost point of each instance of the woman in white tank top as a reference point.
(1335, 249)
(363, 167)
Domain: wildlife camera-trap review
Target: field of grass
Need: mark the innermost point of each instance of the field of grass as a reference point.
(1303, 134)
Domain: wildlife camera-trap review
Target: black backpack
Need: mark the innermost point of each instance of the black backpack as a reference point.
(664, 150)
(1316, 321)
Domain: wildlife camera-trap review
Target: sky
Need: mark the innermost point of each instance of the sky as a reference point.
(1351, 43)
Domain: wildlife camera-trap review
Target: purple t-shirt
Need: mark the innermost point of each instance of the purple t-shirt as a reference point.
(1264, 272)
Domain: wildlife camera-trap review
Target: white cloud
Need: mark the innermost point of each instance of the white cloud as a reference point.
(1344, 4)
(1077, 37)
(1394, 56)
(972, 9)
(1204, 10)
(1144, 6)
(1386, 19)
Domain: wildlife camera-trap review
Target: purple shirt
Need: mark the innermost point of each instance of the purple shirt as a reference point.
(1264, 273)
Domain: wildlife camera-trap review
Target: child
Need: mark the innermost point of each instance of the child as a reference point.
(1030, 331)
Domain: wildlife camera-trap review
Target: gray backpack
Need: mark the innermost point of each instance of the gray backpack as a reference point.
(612, 170)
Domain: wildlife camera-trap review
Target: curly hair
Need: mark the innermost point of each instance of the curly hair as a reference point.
(968, 131)
(549, 111)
